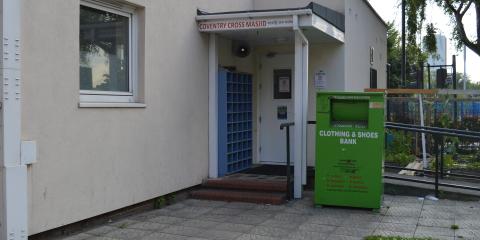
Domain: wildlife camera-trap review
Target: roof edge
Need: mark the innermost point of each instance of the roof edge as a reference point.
(375, 12)
(331, 16)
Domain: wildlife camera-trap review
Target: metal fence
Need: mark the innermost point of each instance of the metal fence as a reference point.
(438, 172)
(407, 109)
(458, 156)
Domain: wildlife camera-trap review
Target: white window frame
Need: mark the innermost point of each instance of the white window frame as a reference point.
(114, 96)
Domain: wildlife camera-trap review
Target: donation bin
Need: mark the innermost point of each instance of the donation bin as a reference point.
(349, 149)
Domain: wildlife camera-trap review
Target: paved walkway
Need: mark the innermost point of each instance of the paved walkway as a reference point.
(211, 220)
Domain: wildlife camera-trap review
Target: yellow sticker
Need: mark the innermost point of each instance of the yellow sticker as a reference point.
(376, 105)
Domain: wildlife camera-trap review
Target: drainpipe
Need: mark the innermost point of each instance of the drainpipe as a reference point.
(301, 108)
(13, 215)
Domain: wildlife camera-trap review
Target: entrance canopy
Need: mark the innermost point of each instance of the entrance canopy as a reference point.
(299, 27)
(319, 24)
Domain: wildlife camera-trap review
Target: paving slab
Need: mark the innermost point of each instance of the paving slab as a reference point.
(234, 227)
(305, 235)
(127, 234)
(193, 219)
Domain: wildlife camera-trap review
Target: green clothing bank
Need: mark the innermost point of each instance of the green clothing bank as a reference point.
(349, 149)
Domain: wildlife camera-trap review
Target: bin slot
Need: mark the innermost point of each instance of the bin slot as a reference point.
(349, 113)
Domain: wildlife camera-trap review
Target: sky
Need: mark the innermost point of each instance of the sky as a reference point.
(390, 10)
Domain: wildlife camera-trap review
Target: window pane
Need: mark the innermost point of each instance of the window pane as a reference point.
(104, 50)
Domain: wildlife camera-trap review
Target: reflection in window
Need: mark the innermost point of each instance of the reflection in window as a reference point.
(104, 50)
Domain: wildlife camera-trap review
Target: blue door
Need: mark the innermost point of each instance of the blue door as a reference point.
(234, 122)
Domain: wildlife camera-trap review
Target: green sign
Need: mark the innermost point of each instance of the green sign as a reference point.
(349, 149)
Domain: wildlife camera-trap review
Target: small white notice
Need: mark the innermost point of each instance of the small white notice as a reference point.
(284, 84)
(320, 80)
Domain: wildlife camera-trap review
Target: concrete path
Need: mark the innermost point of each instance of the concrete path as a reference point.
(211, 220)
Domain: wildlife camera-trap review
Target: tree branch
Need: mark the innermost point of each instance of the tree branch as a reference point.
(450, 7)
(462, 13)
(460, 7)
(477, 9)
(474, 46)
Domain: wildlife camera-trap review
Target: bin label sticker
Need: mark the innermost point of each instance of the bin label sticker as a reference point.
(348, 137)
(346, 178)
(376, 105)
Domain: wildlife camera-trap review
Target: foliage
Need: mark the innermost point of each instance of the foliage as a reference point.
(456, 9)
(454, 227)
(470, 123)
(394, 238)
(448, 162)
(415, 15)
(161, 201)
(470, 85)
(400, 149)
(394, 54)
(401, 158)
(429, 40)
(470, 162)
(414, 52)
(444, 121)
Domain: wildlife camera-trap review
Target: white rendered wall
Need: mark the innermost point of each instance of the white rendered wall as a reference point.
(363, 30)
(95, 160)
(327, 57)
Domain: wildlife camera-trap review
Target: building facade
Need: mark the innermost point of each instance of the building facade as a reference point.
(116, 95)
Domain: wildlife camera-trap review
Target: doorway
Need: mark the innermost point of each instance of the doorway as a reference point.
(276, 93)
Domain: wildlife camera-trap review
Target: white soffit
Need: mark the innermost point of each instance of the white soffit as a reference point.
(325, 27)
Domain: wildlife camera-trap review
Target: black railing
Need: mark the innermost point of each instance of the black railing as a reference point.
(438, 138)
(289, 173)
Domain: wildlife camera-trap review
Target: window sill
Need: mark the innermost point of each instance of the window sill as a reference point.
(110, 105)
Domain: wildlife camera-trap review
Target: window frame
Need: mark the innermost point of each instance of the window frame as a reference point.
(117, 96)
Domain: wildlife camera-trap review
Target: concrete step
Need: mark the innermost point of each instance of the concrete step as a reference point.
(245, 184)
(239, 196)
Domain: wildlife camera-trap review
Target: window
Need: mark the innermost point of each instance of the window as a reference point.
(373, 78)
(107, 53)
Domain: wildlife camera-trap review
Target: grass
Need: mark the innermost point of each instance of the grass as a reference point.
(394, 238)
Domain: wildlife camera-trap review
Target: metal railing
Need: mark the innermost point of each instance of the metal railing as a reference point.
(438, 145)
(289, 173)
(438, 135)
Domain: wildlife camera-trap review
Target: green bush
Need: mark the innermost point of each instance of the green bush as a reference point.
(447, 162)
(400, 158)
(400, 149)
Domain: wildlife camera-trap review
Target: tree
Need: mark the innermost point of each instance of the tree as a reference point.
(394, 54)
(470, 85)
(456, 9)
(415, 55)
